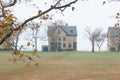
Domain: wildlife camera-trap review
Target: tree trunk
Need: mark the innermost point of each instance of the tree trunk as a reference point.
(93, 46)
(36, 40)
(16, 43)
(54, 49)
(99, 49)
(35, 44)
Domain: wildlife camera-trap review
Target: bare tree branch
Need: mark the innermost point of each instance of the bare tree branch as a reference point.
(51, 8)
(11, 4)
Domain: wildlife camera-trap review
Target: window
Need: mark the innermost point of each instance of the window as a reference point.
(69, 45)
(59, 38)
(52, 45)
(112, 49)
(64, 45)
(64, 38)
(59, 46)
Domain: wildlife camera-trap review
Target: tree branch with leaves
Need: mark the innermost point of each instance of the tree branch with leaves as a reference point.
(7, 19)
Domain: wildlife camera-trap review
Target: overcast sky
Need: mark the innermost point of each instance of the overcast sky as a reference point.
(87, 13)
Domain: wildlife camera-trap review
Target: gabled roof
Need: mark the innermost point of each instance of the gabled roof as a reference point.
(114, 32)
(71, 30)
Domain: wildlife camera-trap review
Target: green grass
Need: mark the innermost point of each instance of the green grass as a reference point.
(80, 55)
(69, 65)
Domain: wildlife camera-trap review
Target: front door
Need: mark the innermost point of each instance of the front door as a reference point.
(59, 46)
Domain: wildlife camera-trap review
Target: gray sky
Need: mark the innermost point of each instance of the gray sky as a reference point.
(87, 13)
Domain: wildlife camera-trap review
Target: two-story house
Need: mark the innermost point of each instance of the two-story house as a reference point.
(65, 38)
(113, 39)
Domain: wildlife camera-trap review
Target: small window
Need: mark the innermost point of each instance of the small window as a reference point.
(52, 45)
(59, 38)
(64, 38)
(69, 45)
(112, 49)
(64, 45)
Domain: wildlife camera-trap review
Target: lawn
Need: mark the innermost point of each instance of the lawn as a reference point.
(63, 66)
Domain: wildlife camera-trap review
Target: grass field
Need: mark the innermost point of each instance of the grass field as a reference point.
(63, 66)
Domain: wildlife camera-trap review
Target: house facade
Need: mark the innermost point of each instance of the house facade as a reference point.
(66, 39)
(113, 39)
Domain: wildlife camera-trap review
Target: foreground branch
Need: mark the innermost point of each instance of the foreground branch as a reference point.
(34, 17)
(11, 4)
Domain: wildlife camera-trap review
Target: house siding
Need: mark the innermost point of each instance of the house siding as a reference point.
(113, 39)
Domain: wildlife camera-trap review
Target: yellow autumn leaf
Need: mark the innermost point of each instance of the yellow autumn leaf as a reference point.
(6, 45)
(21, 55)
(28, 43)
(5, 29)
(21, 28)
(117, 17)
(9, 18)
(47, 15)
(39, 12)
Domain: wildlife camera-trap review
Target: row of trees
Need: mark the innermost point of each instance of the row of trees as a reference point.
(35, 33)
(96, 37)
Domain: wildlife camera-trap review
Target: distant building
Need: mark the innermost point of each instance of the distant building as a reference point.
(66, 39)
(113, 39)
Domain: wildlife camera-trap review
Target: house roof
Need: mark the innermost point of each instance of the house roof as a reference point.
(71, 30)
(112, 31)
